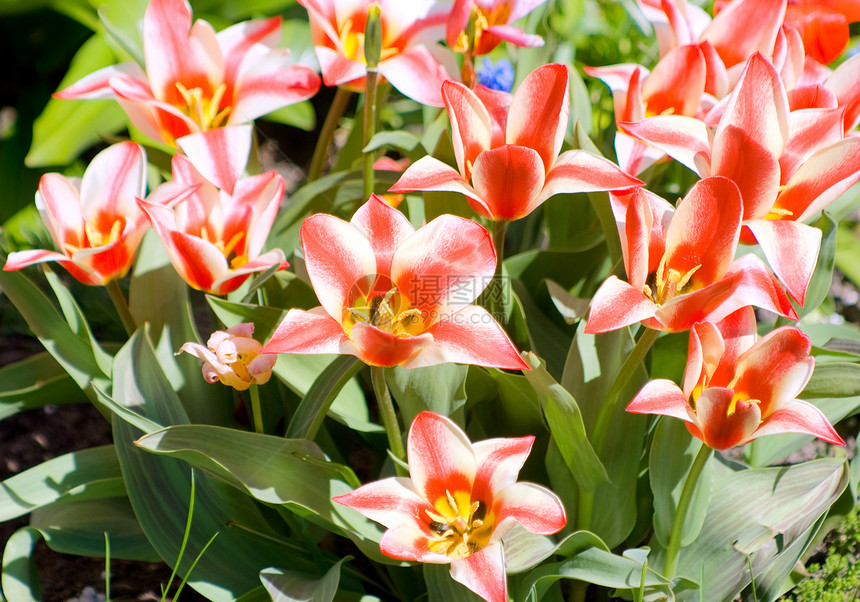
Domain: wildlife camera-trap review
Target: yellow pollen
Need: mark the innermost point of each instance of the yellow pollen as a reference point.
(204, 112)
(777, 213)
(459, 528)
(390, 313)
(668, 282)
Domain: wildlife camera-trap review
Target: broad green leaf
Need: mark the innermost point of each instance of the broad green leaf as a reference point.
(758, 514)
(440, 389)
(441, 587)
(159, 490)
(78, 527)
(35, 382)
(122, 20)
(400, 140)
(525, 550)
(73, 352)
(300, 115)
(673, 450)
(565, 423)
(20, 578)
(93, 470)
(289, 586)
(593, 363)
(833, 379)
(67, 127)
(545, 338)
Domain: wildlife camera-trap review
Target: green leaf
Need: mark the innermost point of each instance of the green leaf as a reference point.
(400, 140)
(89, 471)
(833, 379)
(783, 504)
(300, 115)
(290, 586)
(78, 527)
(673, 450)
(822, 277)
(440, 389)
(565, 423)
(159, 490)
(35, 382)
(20, 578)
(67, 127)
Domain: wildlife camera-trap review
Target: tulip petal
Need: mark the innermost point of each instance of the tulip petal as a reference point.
(662, 397)
(233, 279)
(762, 20)
(537, 118)
(811, 129)
(534, 507)
(235, 42)
(441, 458)
(720, 428)
(407, 541)
(58, 200)
(385, 227)
(220, 155)
(111, 183)
(685, 139)
(271, 83)
(470, 336)
(379, 348)
(336, 68)
(843, 83)
(471, 128)
(755, 170)
(791, 249)
(821, 179)
(499, 463)
(676, 84)
(338, 257)
(97, 85)
(798, 416)
(484, 573)
(582, 171)
(509, 179)
(429, 173)
(252, 209)
(515, 36)
(310, 332)
(759, 106)
(617, 304)
(417, 74)
(389, 502)
(445, 265)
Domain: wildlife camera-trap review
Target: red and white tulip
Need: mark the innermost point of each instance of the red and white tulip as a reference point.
(392, 295)
(460, 501)
(736, 388)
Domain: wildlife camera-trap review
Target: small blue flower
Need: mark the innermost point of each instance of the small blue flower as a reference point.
(498, 77)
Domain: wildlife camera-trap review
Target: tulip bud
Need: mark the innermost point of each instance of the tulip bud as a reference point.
(373, 37)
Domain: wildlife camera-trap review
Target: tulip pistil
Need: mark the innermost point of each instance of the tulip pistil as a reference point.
(205, 112)
(391, 313)
(460, 528)
(668, 283)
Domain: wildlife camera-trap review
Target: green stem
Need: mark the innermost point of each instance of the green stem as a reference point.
(388, 416)
(255, 408)
(369, 128)
(585, 505)
(495, 293)
(335, 112)
(674, 547)
(121, 305)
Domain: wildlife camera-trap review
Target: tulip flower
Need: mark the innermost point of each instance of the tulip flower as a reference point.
(680, 263)
(788, 165)
(488, 22)
(214, 239)
(460, 501)
(392, 295)
(94, 220)
(198, 82)
(737, 389)
(232, 356)
(507, 149)
(411, 59)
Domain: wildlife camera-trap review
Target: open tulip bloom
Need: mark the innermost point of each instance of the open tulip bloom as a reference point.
(392, 295)
(460, 501)
(788, 165)
(197, 82)
(507, 149)
(232, 357)
(411, 60)
(215, 239)
(680, 263)
(737, 388)
(94, 220)
(491, 20)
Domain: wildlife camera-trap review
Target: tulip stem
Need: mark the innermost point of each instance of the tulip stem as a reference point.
(369, 128)
(388, 416)
(495, 292)
(598, 434)
(674, 548)
(335, 112)
(121, 305)
(255, 408)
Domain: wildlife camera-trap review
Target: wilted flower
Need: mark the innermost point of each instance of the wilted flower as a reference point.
(232, 357)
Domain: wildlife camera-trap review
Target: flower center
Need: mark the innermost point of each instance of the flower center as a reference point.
(205, 112)
(460, 526)
(666, 284)
(230, 249)
(97, 238)
(390, 312)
